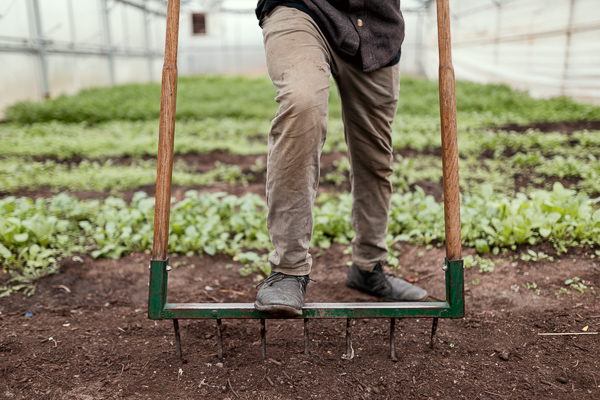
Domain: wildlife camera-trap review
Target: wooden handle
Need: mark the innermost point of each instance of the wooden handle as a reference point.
(449, 133)
(166, 135)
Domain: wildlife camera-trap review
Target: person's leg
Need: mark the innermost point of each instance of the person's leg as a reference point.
(298, 60)
(299, 65)
(369, 103)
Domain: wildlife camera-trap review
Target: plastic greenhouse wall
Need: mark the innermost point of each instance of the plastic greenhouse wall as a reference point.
(548, 48)
(50, 47)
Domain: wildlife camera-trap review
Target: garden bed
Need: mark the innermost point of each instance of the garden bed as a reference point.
(74, 324)
(89, 337)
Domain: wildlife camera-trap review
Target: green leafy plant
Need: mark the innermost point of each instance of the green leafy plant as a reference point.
(535, 256)
(485, 264)
(576, 284)
(562, 291)
(532, 286)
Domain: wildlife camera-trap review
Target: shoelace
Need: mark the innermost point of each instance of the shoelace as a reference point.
(279, 276)
(384, 282)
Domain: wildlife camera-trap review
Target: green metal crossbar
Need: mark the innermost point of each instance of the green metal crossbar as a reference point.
(452, 307)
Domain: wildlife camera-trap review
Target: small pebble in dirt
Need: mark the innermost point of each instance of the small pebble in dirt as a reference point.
(562, 379)
(504, 355)
(220, 365)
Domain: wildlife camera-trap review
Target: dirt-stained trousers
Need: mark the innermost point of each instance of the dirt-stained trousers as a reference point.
(300, 63)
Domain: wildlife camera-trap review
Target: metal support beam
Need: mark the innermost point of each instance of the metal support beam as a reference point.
(420, 44)
(143, 7)
(72, 24)
(108, 41)
(498, 30)
(65, 48)
(569, 33)
(40, 43)
(478, 41)
(147, 19)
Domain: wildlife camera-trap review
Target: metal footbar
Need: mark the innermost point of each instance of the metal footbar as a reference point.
(452, 307)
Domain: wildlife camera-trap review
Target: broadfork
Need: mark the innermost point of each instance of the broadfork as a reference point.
(452, 307)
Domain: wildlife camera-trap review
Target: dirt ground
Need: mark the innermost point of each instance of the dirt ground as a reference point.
(85, 333)
(89, 337)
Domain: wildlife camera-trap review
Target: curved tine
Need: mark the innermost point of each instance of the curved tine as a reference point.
(263, 339)
(177, 337)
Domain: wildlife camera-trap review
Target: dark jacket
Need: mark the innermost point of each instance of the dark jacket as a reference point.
(370, 32)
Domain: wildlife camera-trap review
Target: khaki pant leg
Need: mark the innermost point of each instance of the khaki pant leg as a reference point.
(369, 104)
(298, 60)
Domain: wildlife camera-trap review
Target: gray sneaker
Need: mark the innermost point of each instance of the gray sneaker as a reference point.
(282, 294)
(381, 284)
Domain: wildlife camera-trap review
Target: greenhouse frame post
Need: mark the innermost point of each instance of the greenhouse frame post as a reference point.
(147, 44)
(41, 48)
(108, 39)
(569, 33)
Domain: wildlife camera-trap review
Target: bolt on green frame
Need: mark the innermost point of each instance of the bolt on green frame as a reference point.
(452, 307)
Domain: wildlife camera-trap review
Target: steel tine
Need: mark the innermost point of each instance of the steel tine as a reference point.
(263, 339)
(220, 338)
(392, 338)
(349, 350)
(433, 331)
(177, 337)
(306, 336)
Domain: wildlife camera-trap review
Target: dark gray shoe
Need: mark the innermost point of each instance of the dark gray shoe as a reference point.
(282, 294)
(381, 284)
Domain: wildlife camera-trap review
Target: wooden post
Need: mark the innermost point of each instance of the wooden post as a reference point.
(449, 133)
(166, 135)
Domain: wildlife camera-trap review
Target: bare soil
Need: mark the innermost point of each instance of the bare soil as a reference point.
(85, 333)
(560, 126)
(89, 336)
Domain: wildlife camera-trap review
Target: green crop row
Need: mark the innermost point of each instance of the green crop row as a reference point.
(499, 172)
(248, 136)
(197, 98)
(35, 235)
(238, 97)
(18, 174)
(119, 139)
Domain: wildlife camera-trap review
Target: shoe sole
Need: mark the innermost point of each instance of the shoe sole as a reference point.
(278, 309)
(383, 298)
